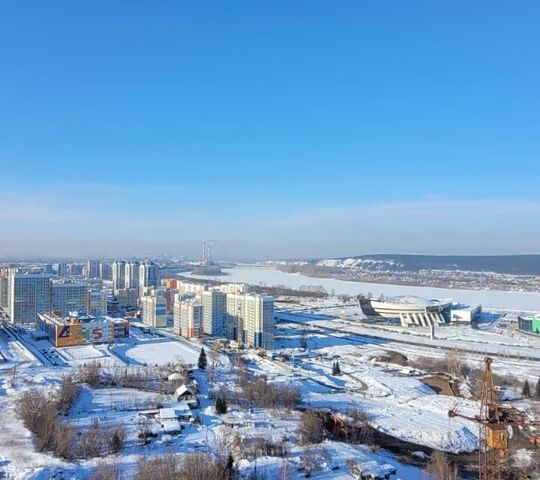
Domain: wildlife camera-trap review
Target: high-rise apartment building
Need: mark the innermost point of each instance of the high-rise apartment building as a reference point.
(67, 298)
(250, 319)
(154, 310)
(4, 292)
(132, 274)
(214, 309)
(148, 275)
(118, 275)
(61, 270)
(188, 318)
(105, 271)
(97, 304)
(128, 297)
(29, 294)
(92, 268)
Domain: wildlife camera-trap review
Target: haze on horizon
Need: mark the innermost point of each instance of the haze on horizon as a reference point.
(279, 130)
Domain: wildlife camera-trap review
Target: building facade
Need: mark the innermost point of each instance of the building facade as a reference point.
(214, 310)
(118, 275)
(250, 319)
(69, 297)
(188, 318)
(154, 311)
(74, 330)
(97, 304)
(529, 324)
(92, 268)
(29, 294)
(132, 274)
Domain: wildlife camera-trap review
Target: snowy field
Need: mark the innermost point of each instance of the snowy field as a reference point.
(145, 349)
(527, 301)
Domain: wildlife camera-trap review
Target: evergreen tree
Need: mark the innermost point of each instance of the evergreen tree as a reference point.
(221, 405)
(526, 391)
(336, 369)
(202, 359)
(538, 389)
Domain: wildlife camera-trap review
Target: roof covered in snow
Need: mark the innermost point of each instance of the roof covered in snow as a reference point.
(413, 300)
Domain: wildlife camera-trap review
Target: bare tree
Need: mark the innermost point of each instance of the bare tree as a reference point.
(92, 441)
(202, 466)
(115, 436)
(90, 373)
(145, 429)
(441, 468)
(107, 470)
(164, 467)
(67, 394)
(310, 428)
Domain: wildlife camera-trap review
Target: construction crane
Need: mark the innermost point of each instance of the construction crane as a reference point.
(495, 427)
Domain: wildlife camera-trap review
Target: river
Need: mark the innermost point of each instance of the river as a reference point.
(266, 276)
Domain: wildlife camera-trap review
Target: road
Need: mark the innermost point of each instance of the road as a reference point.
(363, 337)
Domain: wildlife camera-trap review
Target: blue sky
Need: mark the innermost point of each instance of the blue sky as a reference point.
(280, 128)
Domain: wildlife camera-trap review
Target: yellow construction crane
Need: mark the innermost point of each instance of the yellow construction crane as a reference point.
(495, 427)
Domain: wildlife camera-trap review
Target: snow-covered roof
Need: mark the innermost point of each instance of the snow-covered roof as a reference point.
(181, 408)
(413, 300)
(182, 389)
(167, 413)
(170, 425)
(175, 376)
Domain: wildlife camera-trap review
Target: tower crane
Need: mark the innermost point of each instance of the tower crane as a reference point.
(495, 427)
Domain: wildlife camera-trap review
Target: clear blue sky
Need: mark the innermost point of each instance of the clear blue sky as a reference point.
(282, 128)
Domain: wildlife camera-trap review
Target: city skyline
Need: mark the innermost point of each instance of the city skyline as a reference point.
(278, 130)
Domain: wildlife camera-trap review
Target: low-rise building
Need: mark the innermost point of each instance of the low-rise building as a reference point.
(66, 331)
(529, 324)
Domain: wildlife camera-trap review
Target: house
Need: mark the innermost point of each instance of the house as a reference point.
(186, 394)
(176, 379)
(183, 411)
(168, 420)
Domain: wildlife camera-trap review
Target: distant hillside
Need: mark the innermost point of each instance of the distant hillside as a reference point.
(519, 264)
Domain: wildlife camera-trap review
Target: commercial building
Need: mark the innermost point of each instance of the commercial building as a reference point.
(214, 309)
(529, 324)
(154, 310)
(66, 331)
(188, 318)
(465, 314)
(29, 294)
(69, 297)
(409, 310)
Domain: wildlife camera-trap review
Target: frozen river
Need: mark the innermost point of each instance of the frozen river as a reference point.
(270, 277)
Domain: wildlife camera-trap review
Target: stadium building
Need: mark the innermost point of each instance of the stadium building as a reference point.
(409, 310)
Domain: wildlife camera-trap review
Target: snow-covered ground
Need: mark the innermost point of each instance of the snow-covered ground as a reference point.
(257, 275)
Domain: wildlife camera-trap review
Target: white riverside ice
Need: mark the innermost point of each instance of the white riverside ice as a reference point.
(526, 301)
